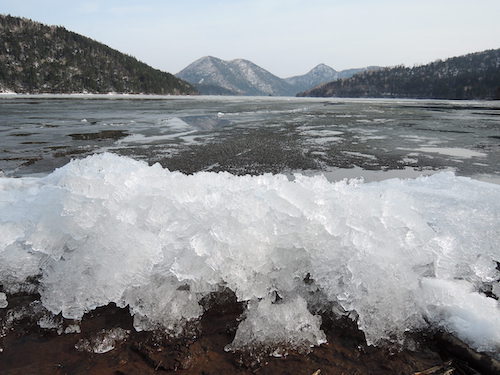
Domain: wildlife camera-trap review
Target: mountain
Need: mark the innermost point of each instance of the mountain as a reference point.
(236, 77)
(322, 74)
(319, 74)
(348, 73)
(36, 58)
(472, 76)
(213, 76)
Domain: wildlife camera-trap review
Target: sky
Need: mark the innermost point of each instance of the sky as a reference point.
(286, 37)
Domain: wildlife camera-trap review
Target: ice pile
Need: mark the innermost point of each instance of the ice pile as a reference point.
(400, 254)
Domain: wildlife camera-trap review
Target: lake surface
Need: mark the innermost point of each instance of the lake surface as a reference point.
(254, 135)
(397, 256)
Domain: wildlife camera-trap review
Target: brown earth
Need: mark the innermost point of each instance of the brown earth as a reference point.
(27, 349)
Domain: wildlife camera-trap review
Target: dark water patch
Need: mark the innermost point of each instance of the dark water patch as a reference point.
(445, 107)
(494, 136)
(102, 135)
(445, 131)
(332, 103)
(71, 152)
(18, 158)
(485, 114)
(33, 143)
(23, 134)
(56, 147)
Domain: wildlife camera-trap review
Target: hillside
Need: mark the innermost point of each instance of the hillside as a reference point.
(36, 58)
(321, 74)
(213, 76)
(472, 76)
(236, 77)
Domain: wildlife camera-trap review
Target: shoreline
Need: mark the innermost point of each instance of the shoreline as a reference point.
(332, 99)
(28, 349)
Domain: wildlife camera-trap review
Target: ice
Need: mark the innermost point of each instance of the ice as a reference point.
(51, 322)
(275, 326)
(72, 328)
(103, 342)
(450, 151)
(3, 301)
(454, 306)
(400, 255)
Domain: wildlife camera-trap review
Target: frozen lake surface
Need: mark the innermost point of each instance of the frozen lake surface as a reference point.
(253, 135)
(397, 255)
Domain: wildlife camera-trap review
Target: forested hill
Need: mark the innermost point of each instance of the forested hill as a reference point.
(472, 76)
(36, 58)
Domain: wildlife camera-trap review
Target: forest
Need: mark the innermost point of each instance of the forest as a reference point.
(472, 76)
(36, 58)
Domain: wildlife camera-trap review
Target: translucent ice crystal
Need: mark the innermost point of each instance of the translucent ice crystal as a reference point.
(278, 325)
(103, 342)
(392, 253)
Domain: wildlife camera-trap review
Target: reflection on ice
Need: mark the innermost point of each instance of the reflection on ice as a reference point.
(453, 151)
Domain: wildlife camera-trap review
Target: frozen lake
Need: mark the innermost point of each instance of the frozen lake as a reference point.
(252, 135)
(397, 256)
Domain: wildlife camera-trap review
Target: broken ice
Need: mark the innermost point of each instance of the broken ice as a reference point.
(400, 255)
(103, 342)
(275, 326)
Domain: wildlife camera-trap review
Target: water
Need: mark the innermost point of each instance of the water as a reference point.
(397, 255)
(254, 135)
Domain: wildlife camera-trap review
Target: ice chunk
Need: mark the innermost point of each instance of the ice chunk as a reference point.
(454, 306)
(3, 301)
(111, 229)
(48, 321)
(72, 328)
(103, 342)
(278, 326)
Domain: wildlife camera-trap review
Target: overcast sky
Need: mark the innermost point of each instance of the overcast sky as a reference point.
(286, 37)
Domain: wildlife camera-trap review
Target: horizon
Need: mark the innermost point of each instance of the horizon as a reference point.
(167, 36)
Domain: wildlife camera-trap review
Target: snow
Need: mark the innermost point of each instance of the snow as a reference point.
(401, 255)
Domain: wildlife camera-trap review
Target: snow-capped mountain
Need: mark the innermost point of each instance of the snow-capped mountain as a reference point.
(319, 74)
(213, 76)
(240, 77)
(322, 74)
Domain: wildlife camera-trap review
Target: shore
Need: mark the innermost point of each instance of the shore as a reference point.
(28, 349)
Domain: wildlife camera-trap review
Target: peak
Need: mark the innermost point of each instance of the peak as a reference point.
(239, 61)
(209, 58)
(322, 67)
